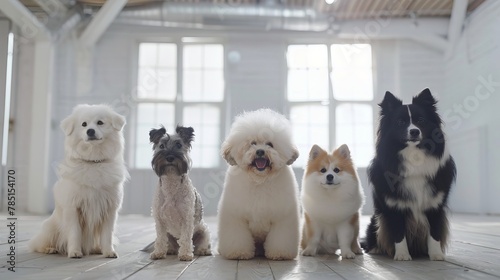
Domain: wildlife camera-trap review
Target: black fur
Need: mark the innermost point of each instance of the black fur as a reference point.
(387, 174)
(156, 134)
(186, 133)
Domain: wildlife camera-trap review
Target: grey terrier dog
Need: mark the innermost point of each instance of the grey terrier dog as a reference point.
(177, 207)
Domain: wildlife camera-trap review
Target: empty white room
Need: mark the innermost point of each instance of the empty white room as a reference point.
(249, 139)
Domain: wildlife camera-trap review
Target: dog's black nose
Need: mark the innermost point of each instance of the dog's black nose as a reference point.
(414, 132)
(90, 132)
(329, 177)
(170, 158)
(260, 152)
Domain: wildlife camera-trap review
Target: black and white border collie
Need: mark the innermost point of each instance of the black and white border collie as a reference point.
(411, 174)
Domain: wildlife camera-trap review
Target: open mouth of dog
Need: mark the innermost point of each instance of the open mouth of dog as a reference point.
(261, 163)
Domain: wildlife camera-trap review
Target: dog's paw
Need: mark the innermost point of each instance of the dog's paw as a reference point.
(348, 255)
(75, 254)
(203, 252)
(158, 255)
(358, 251)
(279, 257)
(309, 252)
(402, 257)
(50, 251)
(186, 257)
(436, 257)
(111, 254)
(96, 251)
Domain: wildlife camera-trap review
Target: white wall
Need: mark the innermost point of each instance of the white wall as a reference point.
(470, 108)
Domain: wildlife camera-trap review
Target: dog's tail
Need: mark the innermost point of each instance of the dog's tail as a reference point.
(370, 241)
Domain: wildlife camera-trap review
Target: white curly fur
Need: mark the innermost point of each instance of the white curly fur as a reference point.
(259, 207)
(89, 191)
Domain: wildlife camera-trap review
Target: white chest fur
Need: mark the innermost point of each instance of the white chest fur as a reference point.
(418, 168)
(331, 205)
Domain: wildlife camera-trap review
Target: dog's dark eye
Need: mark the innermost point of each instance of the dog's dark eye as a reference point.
(270, 144)
(253, 143)
(323, 170)
(162, 146)
(84, 124)
(100, 123)
(420, 120)
(178, 145)
(336, 170)
(401, 122)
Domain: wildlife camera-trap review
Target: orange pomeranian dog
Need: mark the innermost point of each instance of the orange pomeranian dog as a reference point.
(331, 198)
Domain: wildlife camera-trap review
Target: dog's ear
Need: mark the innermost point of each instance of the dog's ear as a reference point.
(390, 102)
(186, 133)
(118, 121)
(295, 155)
(425, 99)
(156, 134)
(315, 151)
(68, 125)
(226, 153)
(344, 151)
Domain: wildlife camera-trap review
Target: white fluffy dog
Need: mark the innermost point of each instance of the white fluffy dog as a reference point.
(89, 191)
(259, 207)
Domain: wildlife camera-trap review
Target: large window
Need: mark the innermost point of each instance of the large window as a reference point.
(330, 96)
(180, 84)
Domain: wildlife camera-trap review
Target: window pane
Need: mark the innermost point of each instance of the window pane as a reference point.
(147, 82)
(148, 54)
(310, 126)
(167, 55)
(307, 56)
(297, 56)
(354, 127)
(192, 85)
(317, 84)
(149, 116)
(352, 77)
(297, 85)
(157, 73)
(167, 80)
(205, 120)
(317, 56)
(307, 73)
(192, 56)
(203, 69)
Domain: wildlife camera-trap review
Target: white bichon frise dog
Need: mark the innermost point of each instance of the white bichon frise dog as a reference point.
(89, 191)
(259, 208)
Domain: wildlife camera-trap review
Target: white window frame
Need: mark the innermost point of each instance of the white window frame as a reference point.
(331, 102)
(178, 103)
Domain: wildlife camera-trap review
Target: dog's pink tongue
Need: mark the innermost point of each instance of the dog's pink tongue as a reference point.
(261, 163)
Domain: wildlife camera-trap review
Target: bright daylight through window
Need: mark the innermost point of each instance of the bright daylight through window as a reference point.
(330, 96)
(193, 98)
